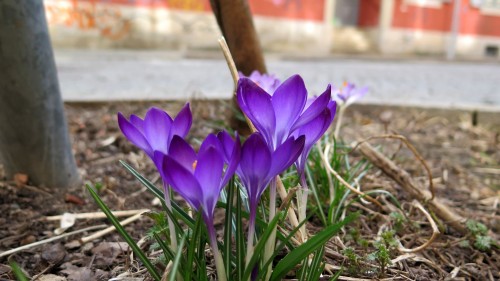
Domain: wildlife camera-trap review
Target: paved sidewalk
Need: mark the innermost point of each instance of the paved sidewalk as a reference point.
(157, 75)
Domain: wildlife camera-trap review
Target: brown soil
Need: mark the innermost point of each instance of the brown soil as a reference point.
(464, 161)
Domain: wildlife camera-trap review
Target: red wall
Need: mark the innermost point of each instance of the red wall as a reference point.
(472, 21)
(291, 9)
(368, 14)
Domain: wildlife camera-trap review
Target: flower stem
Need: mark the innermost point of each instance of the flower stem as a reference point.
(171, 227)
(339, 121)
(271, 242)
(219, 262)
(304, 192)
(251, 234)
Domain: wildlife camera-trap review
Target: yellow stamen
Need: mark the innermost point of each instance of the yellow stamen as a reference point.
(194, 164)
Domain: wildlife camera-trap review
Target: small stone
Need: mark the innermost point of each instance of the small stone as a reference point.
(53, 254)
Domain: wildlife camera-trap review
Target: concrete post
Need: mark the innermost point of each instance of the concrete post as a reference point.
(384, 23)
(329, 16)
(33, 130)
(454, 30)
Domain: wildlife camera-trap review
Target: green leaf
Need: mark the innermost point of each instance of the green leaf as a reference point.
(311, 245)
(18, 272)
(192, 246)
(227, 250)
(259, 248)
(169, 255)
(240, 239)
(178, 211)
(177, 260)
(137, 251)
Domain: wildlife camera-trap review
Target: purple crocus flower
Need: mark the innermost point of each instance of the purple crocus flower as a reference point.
(259, 165)
(349, 94)
(268, 82)
(287, 113)
(156, 131)
(154, 134)
(199, 177)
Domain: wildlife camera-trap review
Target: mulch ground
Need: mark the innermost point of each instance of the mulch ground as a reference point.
(464, 160)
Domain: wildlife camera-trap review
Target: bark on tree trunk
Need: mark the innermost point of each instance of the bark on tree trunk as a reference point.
(236, 24)
(33, 130)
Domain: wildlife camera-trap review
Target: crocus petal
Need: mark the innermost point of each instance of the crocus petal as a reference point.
(313, 132)
(209, 172)
(257, 106)
(356, 95)
(288, 102)
(227, 144)
(137, 122)
(182, 152)
(211, 141)
(234, 160)
(255, 163)
(286, 154)
(158, 158)
(182, 181)
(157, 126)
(316, 107)
(332, 106)
(134, 135)
(182, 122)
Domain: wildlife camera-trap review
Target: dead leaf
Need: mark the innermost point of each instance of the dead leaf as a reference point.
(51, 277)
(78, 274)
(70, 198)
(106, 252)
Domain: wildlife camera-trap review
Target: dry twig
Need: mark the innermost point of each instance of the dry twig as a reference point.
(404, 179)
(412, 149)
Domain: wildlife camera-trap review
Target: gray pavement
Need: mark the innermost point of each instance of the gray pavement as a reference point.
(153, 75)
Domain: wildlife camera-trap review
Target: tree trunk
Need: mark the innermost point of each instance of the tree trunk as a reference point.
(236, 24)
(33, 130)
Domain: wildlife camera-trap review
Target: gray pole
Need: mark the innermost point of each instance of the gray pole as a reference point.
(33, 130)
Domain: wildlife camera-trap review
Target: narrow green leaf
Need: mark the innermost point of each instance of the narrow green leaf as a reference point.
(259, 248)
(284, 242)
(336, 276)
(227, 249)
(18, 272)
(175, 266)
(137, 251)
(311, 245)
(317, 266)
(313, 187)
(169, 255)
(192, 245)
(240, 239)
(178, 211)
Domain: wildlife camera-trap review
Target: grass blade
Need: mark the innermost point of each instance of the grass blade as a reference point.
(228, 227)
(311, 245)
(192, 245)
(258, 251)
(240, 239)
(18, 272)
(177, 260)
(159, 194)
(137, 251)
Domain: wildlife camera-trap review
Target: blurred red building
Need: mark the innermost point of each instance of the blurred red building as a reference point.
(467, 28)
(463, 27)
